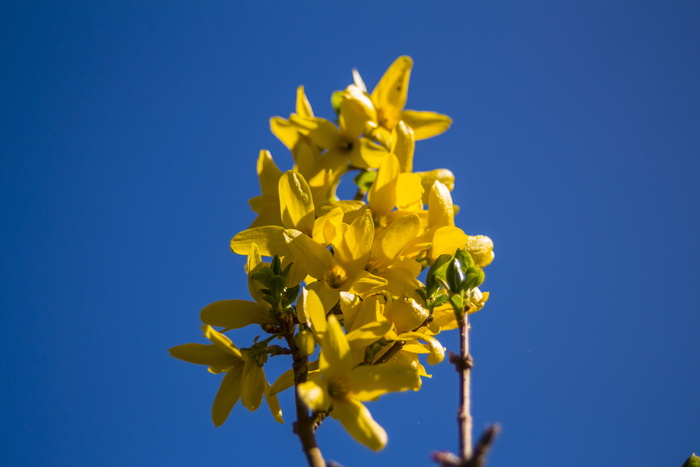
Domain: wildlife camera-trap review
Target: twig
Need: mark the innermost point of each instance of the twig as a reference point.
(463, 364)
(304, 425)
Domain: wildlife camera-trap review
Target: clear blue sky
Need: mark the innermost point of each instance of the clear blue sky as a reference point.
(129, 133)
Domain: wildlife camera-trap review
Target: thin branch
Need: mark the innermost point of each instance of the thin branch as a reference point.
(393, 350)
(463, 364)
(303, 427)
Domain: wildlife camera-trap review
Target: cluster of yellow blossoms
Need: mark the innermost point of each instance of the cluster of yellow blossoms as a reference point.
(344, 274)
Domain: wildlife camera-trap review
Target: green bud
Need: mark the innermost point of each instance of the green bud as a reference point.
(291, 294)
(276, 265)
(437, 270)
(464, 257)
(263, 275)
(277, 285)
(365, 179)
(456, 276)
(475, 277)
(336, 99)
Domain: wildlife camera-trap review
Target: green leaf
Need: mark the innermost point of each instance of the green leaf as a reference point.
(336, 99)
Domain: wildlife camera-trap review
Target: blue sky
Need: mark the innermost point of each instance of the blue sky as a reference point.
(129, 134)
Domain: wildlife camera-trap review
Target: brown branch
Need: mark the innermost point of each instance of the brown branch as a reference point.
(303, 427)
(393, 350)
(463, 364)
(447, 459)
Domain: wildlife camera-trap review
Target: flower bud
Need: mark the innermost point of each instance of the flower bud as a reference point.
(305, 341)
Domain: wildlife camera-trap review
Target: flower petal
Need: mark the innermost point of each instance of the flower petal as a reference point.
(296, 203)
(426, 124)
(203, 354)
(311, 307)
(253, 385)
(227, 395)
(235, 314)
(269, 239)
(273, 403)
(359, 423)
(441, 210)
(403, 144)
(371, 381)
(303, 106)
(221, 341)
(446, 241)
(313, 257)
(437, 351)
(389, 96)
(315, 395)
(335, 351)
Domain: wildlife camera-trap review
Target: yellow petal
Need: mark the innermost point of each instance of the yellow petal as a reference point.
(359, 423)
(314, 312)
(426, 124)
(357, 80)
(235, 314)
(365, 282)
(252, 386)
(303, 106)
(371, 381)
(389, 96)
(368, 334)
(367, 154)
(437, 351)
(320, 131)
(352, 252)
(328, 296)
(446, 240)
(285, 131)
(328, 227)
(269, 239)
(335, 351)
(395, 238)
(440, 208)
(428, 179)
(273, 403)
(203, 354)
(315, 395)
(409, 192)
(284, 381)
(382, 195)
(268, 173)
(403, 145)
(221, 341)
(296, 203)
(356, 108)
(313, 258)
(227, 395)
(406, 314)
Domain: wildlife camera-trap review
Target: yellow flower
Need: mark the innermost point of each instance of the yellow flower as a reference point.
(244, 378)
(341, 387)
(344, 269)
(389, 98)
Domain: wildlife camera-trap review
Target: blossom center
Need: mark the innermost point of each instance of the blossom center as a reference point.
(338, 388)
(335, 277)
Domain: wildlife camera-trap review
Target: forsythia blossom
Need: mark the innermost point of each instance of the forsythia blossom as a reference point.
(355, 291)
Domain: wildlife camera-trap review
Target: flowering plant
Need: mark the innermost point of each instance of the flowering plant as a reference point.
(356, 290)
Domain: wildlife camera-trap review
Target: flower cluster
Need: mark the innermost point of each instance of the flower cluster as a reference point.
(356, 290)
